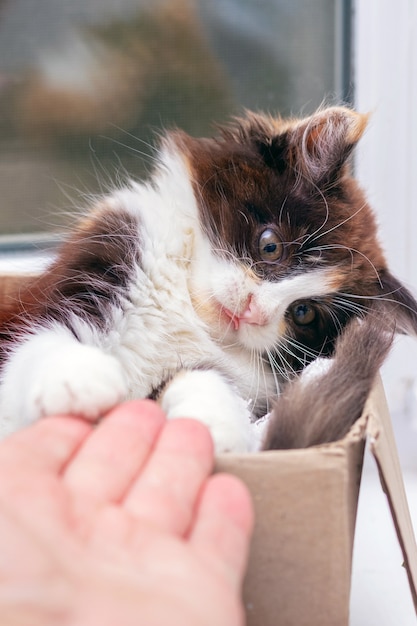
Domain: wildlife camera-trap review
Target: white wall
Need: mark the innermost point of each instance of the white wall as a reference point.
(385, 58)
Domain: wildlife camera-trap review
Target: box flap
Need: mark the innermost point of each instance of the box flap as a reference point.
(383, 446)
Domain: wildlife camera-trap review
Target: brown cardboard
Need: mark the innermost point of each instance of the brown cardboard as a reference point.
(305, 508)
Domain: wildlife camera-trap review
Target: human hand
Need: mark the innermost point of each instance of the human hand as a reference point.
(119, 524)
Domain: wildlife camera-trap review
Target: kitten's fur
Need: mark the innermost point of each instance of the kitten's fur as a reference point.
(207, 288)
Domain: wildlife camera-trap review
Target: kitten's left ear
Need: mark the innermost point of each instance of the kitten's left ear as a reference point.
(323, 142)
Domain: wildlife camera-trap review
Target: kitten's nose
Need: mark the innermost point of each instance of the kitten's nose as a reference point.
(253, 314)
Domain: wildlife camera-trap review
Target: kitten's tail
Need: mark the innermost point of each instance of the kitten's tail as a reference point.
(321, 408)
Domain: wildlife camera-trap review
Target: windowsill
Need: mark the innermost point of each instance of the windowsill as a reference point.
(29, 262)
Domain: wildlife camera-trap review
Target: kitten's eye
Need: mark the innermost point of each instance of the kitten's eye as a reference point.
(303, 313)
(270, 246)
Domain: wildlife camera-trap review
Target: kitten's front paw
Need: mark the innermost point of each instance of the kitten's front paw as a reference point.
(207, 397)
(81, 381)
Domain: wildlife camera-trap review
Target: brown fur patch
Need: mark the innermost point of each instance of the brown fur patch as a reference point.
(91, 271)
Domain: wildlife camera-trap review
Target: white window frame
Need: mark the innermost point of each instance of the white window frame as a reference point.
(385, 71)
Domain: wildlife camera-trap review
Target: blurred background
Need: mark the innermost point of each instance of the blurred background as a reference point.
(86, 85)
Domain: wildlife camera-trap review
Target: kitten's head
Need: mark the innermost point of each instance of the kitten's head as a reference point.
(293, 249)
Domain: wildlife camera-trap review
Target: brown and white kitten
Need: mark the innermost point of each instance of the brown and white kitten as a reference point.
(206, 288)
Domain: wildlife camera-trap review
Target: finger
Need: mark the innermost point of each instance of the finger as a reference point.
(47, 445)
(112, 457)
(223, 526)
(31, 462)
(166, 492)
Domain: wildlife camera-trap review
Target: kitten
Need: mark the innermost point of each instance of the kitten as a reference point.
(210, 286)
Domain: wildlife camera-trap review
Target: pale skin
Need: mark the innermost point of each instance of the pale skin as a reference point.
(120, 524)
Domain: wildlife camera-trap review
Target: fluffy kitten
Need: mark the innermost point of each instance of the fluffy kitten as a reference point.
(208, 287)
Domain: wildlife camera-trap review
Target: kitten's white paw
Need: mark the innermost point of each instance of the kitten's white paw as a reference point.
(52, 373)
(82, 381)
(207, 397)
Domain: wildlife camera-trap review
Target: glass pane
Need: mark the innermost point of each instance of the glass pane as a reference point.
(86, 85)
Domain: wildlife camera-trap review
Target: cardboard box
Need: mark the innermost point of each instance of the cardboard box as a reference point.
(305, 506)
(305, 502)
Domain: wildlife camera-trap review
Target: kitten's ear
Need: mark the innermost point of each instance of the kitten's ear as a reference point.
(322, 143)
(399, 302)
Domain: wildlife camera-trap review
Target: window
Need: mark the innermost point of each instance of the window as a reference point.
(85, 86)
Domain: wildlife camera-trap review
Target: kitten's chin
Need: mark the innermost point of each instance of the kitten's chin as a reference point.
(259, 338)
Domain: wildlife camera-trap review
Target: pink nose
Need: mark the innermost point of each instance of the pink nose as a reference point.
(251, 314)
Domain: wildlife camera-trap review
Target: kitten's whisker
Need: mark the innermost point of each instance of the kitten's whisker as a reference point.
(286, 370)
(281, 209)
(383, 298)
(148, 144)
(290, 341)
(349, 306)
(148, 155)
(274, 368)
(350, 217)
(352, 252)
(232, 255)
(136, 151)
(244, 216)
(254, 366)
(335, 319)
(263, 363)
(326, 219)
